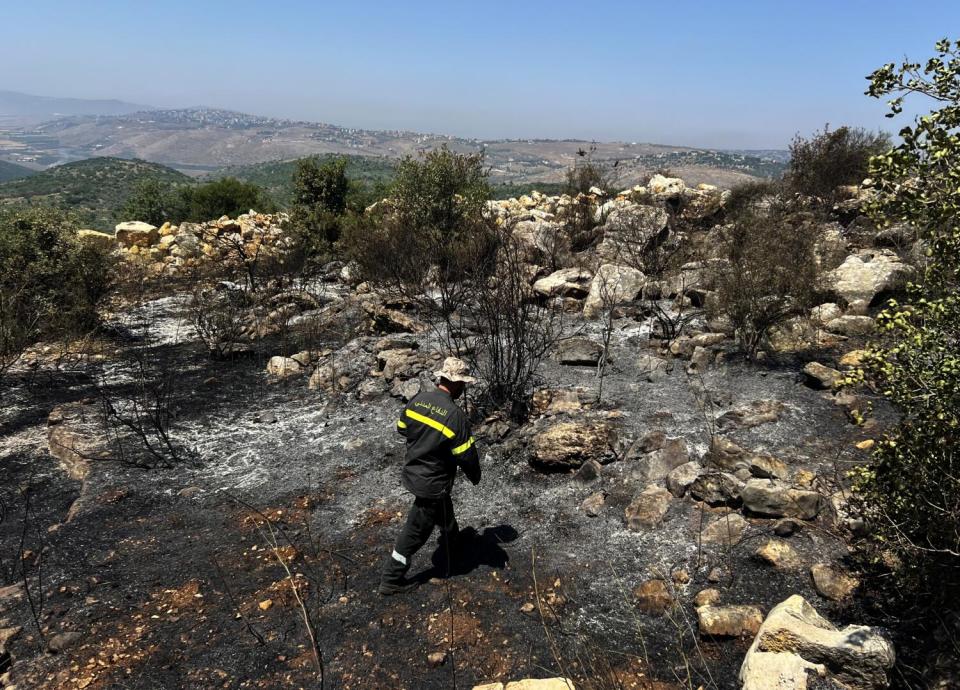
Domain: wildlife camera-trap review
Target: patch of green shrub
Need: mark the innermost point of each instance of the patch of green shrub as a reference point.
(50, 282)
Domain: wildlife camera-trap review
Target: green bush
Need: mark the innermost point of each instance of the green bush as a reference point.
(830, 159)
(224, 197)
(154, 202)
(911, 490)
(321, 192)
(50, 281)
(431, 229)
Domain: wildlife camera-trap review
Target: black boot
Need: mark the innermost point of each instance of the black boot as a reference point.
(394, 579)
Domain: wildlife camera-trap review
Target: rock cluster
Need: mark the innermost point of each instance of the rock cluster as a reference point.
(171, 249)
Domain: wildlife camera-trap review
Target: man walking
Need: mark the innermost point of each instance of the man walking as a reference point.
(438, 442)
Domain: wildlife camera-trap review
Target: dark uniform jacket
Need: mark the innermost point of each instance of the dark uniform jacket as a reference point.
(438, 441)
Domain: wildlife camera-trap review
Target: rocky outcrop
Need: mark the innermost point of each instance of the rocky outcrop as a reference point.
(795, 639)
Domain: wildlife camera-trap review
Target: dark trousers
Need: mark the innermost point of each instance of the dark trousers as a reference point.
(424, 515)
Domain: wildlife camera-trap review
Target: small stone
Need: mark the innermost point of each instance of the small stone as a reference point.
(62, 641)
(593, 504)
(716, 488)
(726, 531)
(852, 325)
(579, 352)
(775, 499)
(680, 478)
(265, 604)
(588, 472)
(751, 415)
(681, 577)
(706, 597)
(833, 583)
(653, 597)
(767, 467)
(715, 575)
(779, 554)
(436, 659)
(819, 376)
(648, 508)
(786, 527)
(729, 621)
(866, 444)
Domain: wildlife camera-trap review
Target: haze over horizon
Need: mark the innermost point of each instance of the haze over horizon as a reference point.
(746, 75)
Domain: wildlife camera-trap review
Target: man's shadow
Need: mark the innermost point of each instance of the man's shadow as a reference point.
(470, 551)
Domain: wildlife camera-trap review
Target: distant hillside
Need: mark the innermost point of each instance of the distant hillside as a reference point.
(205, 140)
(11, 171)
(276, 177)
(95, 189)
(23, 108)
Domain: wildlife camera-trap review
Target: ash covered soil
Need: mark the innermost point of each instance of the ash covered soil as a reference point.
(190, 576)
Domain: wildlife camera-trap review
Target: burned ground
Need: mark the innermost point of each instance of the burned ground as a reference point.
(171, 578)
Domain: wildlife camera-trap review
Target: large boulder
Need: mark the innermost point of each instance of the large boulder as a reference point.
(663, 188)
(858, 657)
(134, 233)
(867, 274)
(631, 230)
(777, 671)
(567, 445)
(95, 238)
(775, 499)
(613, 285)
(567, 282)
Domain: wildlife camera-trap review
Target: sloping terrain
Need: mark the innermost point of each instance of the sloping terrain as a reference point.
(204, 140)
(629, 537)
(94, 189)
(11, 171)
(20, 109)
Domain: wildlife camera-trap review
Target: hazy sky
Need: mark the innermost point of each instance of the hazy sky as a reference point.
(731, 73)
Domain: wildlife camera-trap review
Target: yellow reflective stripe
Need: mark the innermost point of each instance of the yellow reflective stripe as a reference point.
(401, 424)
(432, 423)
(464, 448)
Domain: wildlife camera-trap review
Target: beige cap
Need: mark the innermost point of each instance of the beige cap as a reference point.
(455, 370)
